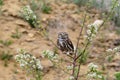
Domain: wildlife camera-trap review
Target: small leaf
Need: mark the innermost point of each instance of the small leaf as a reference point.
(117, 76)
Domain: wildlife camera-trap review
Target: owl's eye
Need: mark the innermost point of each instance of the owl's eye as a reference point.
(60, 36)
(66, 36)
(63, 35)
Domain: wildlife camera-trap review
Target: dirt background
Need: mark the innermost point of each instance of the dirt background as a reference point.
(63, 17)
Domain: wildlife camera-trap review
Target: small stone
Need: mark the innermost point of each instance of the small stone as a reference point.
(31, 35)
(24, 31)
(30, 39)
(113, 64)
(1, 46)
(44, 19)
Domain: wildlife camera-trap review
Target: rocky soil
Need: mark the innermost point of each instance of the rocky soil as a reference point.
(64, 17)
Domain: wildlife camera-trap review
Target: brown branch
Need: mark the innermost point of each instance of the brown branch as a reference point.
(78, 70)
(104, 21)
(111, 12)
(74, 61)
(83, 50)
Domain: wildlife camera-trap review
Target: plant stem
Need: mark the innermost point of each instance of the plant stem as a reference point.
(111, 12)
(104, 21)
(61, 68)
(88, 42)
(38, 76)
(78, 71)
(74, 60)
(80, 60)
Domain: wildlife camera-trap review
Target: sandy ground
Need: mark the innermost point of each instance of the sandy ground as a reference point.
(64, 17)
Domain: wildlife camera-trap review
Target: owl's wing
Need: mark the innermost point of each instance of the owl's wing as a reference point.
(60, 45)
(70, 45)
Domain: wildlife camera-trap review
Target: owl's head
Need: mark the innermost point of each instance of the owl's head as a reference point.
(62, 35)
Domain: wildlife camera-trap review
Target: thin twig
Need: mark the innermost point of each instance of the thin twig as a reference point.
(78, 70)
(79, 36)
(74, 61)
(83, 50)
(57, 65)
(111, 12)
(104, 21)
(81, 58)
(88, 41)
(82, 53)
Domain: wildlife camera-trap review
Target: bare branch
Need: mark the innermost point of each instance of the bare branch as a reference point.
(75, 54)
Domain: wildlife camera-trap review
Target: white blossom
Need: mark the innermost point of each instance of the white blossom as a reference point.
(88, 31)
(71, 78)
(93, 29)
(93, 72)
(22, 65)
(28, 14)
(109, 50)
(70, 67)
(38, 64)
(98, 23)
(94, 75)
(50, 55)
(114, 50)
(92, 66)
(28, 61)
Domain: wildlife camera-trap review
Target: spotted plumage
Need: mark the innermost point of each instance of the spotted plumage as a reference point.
(64, 43)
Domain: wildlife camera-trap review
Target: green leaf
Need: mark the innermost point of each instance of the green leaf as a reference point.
(117, 76)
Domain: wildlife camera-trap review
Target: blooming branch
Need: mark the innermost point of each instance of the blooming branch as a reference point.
(29, 63)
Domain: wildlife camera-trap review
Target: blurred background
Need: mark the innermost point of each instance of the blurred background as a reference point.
(34, 25)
